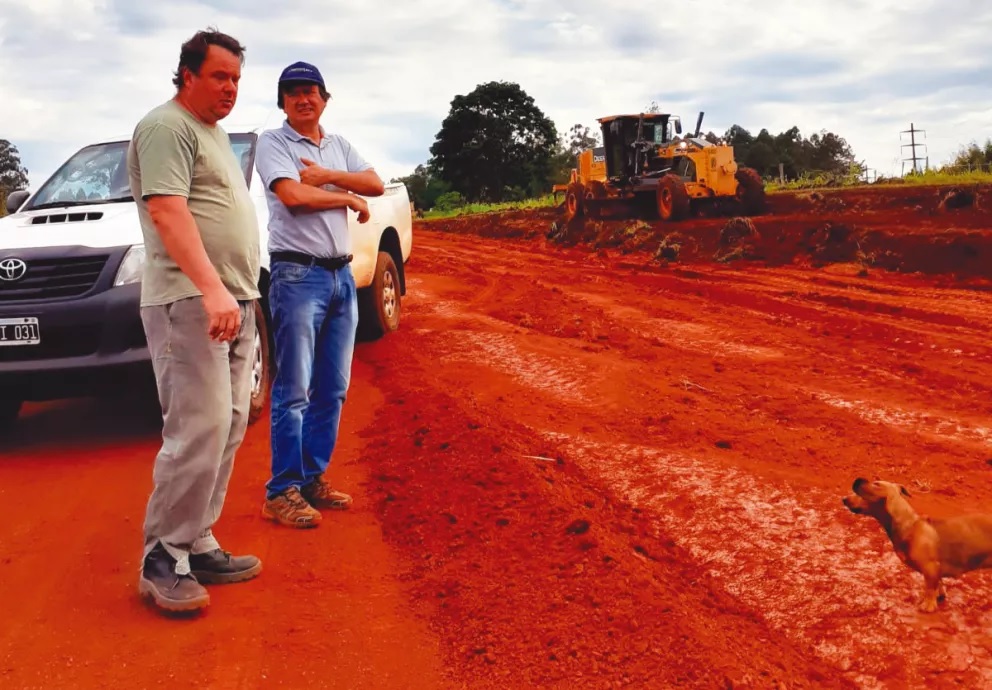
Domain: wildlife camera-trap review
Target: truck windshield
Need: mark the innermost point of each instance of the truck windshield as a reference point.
(98, 175)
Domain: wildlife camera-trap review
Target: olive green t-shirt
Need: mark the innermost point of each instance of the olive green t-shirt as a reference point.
(173, 153)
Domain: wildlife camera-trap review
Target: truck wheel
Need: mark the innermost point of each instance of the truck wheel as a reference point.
(573, 201)
(673, 199)
(261, 367)
(595, 197)
(379, 304)
(9, 409)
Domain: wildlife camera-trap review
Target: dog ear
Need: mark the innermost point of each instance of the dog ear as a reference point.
(904, 491)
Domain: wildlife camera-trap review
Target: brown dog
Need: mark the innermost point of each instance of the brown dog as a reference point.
(933, 547)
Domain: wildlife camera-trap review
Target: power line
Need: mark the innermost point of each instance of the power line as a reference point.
(912, 132)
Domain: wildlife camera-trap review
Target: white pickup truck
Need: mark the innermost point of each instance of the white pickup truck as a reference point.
(71, 258)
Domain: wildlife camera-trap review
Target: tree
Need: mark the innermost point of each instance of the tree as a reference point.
(424, 188)
(578, 139)
(830, 153)
(13, 175)
(495, 144)
(823, 152)
(973, 157)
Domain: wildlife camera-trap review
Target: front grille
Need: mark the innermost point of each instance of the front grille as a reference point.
(54, 279)
(56, 342)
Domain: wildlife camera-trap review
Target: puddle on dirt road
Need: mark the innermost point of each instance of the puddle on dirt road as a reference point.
(944, 428)
(806, 564)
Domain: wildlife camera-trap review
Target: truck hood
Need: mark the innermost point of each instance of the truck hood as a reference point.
(93, 225)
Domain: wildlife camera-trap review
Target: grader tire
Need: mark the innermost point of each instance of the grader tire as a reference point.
(574, 198)
(594, 199)
(672, 198)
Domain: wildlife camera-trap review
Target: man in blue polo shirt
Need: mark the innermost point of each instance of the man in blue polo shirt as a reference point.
(311, 179)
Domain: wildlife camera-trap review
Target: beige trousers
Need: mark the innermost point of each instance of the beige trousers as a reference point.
(204, 388)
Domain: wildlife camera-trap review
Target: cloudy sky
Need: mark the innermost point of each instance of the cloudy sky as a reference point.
(74, 71)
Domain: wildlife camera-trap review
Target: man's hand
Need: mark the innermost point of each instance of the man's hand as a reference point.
(366, 183)
(313, 174)
(223, 314)
(360, 206)
(182, 241)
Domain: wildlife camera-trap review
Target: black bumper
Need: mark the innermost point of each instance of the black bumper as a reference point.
(91, 342)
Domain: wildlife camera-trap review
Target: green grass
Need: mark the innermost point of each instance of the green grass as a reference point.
(931, 177)
(475, 209)
(805, 183)
(935, 177)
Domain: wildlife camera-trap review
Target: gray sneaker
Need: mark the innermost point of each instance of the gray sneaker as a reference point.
(169, 590)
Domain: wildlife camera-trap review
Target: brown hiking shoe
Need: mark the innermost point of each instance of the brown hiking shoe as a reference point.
(291, 509)
(170, 584)
(320, 495)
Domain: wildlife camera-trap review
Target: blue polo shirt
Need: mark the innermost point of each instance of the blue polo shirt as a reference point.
(278, 154)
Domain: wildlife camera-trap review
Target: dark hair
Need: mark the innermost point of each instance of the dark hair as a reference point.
(289, 84)
(194, 51)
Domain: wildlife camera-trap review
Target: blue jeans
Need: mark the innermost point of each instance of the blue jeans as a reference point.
(314, 318)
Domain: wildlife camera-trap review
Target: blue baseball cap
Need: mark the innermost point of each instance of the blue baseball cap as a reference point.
(302, 71)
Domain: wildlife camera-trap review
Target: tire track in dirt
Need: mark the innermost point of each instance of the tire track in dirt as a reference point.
(790, 556)
(750, 333)
(541, 578)
(748, 338)
(944, 427)
(648, 371)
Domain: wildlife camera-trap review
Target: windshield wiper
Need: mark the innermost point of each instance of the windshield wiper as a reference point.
(89, 202)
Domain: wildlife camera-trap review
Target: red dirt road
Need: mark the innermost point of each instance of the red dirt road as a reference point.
(571, 469)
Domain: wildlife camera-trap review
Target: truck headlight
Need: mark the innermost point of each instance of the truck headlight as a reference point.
(131, 267)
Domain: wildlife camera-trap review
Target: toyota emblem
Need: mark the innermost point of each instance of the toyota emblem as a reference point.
(12, 269)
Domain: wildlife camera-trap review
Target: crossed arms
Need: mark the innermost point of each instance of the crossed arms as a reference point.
(305, 195)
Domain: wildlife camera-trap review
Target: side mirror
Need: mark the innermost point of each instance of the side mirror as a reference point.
(16, 199)
(678, 126)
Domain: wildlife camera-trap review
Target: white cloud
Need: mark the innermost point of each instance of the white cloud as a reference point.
(72, 71)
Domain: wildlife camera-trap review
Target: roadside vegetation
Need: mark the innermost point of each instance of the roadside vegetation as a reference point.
(453, 204)
(820, 181)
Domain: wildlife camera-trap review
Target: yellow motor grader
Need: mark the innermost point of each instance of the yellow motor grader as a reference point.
(644, 163)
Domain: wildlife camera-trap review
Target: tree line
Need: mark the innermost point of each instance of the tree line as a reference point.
(497, 145)
(973, 157)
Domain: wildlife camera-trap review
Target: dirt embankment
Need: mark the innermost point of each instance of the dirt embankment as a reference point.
(912, 229)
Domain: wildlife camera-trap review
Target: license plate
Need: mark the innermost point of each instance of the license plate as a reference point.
(20, 331)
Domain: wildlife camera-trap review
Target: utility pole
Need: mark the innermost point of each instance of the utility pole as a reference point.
(912, 132)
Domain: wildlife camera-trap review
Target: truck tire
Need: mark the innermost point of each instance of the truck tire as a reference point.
(574, 199)
(672, 198)
(9, 409)
(379, 303)
(595, 198)
(261, 367)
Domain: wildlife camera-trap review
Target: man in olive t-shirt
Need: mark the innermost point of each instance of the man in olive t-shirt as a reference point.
(198, 295)
(176, 154)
